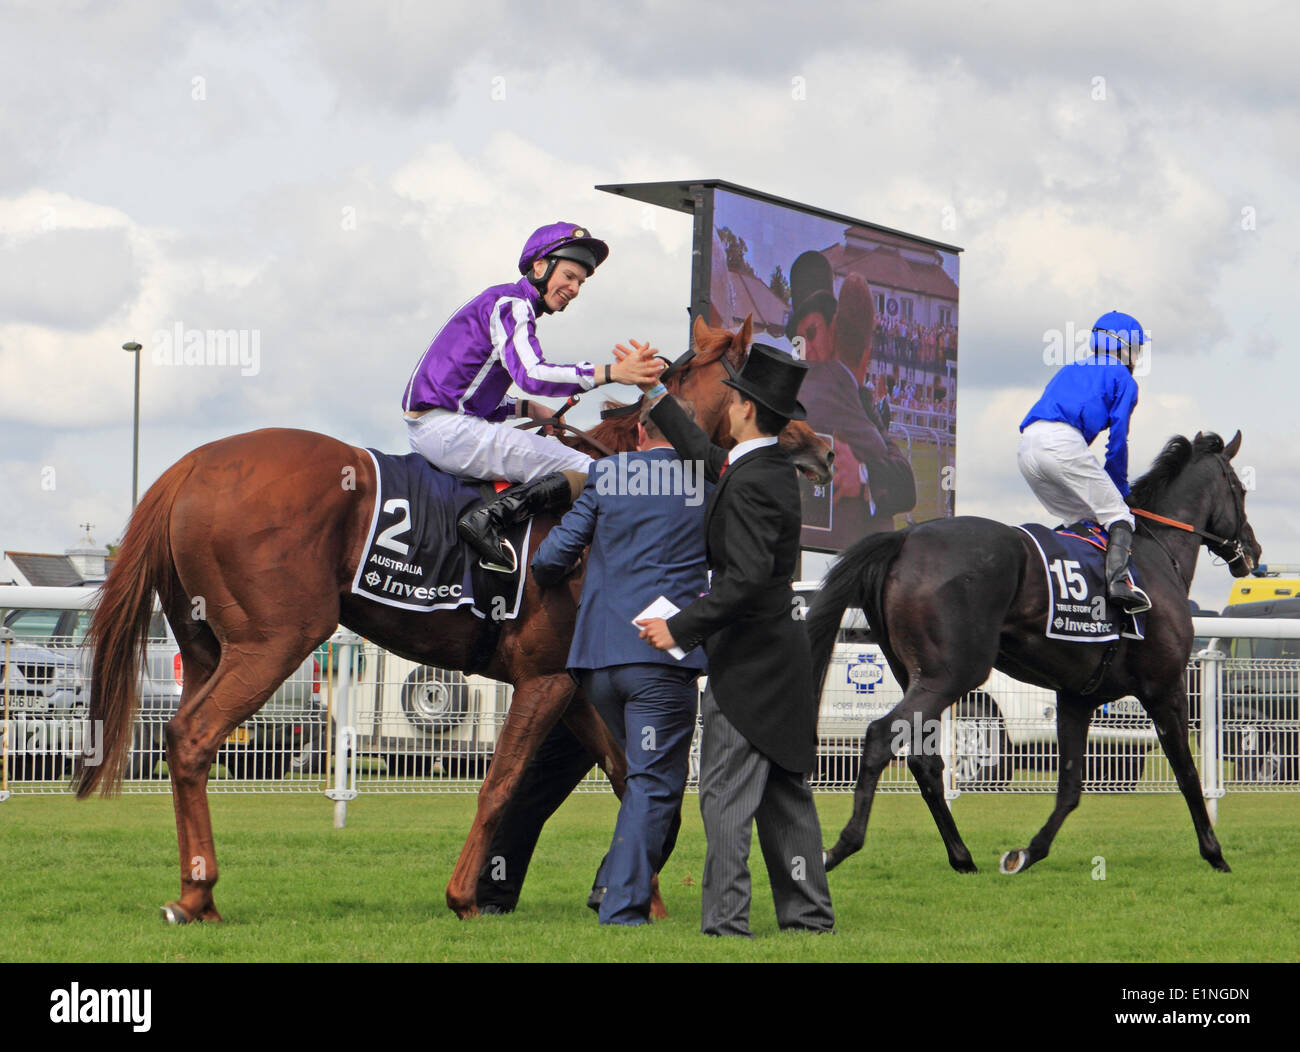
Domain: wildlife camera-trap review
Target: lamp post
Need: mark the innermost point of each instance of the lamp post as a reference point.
(134, 348)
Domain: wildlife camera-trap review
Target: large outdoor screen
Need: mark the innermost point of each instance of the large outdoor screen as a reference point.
(874, 314)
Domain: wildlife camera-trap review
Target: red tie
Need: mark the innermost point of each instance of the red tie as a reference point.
(725, 464)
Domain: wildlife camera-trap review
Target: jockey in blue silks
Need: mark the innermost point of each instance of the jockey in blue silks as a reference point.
(1083, 399)
(456, 400)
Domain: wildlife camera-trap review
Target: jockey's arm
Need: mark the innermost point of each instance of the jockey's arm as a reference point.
(1121, 412)
(521, 354)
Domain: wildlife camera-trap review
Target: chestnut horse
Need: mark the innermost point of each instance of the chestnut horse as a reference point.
(268, 528)
(951, 599)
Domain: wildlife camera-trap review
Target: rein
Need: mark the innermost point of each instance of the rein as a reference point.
(561, 425)
(606, 414)
(672, 369)
(1213, 538)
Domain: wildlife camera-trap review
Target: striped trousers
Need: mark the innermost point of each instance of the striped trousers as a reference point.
(740, 787)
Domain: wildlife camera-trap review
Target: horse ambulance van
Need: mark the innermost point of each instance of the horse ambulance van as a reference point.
(421, 720)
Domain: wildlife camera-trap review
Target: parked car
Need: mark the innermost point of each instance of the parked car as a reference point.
(41, 702)
(287, 735)
(1002, 726)
(1261, 704)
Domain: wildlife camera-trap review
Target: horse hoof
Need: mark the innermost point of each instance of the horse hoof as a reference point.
(173, 914)
(1012, 862)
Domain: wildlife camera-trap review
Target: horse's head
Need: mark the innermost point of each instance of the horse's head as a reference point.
(720, 355)
(1228, 512)
(1194, 481)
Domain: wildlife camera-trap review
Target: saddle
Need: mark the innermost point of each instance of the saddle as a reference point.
(1074, 562)
(414, 558)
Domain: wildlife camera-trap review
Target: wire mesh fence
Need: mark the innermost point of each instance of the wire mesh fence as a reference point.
(410, 728)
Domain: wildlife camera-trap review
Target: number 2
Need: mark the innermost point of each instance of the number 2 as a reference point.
(388, 539)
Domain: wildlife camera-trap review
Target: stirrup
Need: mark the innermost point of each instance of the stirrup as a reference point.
(1140, 600)
(497, 567)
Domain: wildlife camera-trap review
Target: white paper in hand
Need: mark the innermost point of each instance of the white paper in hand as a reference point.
(664, 608)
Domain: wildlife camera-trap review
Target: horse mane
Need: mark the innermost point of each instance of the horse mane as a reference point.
(1173, 460)
(618, 432)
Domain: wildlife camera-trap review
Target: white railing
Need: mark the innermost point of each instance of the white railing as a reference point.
(380, 723)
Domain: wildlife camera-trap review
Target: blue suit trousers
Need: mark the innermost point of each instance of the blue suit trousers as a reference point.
(651, 711)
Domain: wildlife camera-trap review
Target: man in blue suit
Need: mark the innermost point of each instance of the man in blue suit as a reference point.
(642, 513)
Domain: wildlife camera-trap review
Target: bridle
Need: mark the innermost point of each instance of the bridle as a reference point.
(1230, 549)
(671, 370)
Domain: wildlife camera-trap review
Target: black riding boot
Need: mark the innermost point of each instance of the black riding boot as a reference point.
(483, 528)
(1118, 547)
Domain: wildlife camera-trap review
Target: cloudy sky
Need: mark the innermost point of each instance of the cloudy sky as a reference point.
(333, 179)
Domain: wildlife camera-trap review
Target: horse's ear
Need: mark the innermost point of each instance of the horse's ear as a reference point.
(746, 334)
(698, 332)
(1230, 450)
(1197, 440)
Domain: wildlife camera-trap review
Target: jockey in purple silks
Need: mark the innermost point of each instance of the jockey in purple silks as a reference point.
(456, 400)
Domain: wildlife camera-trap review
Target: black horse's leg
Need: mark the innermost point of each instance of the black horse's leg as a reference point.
(880, 745)
(1072, 716)
(864, 792)
(1169, 713)
(928, 772)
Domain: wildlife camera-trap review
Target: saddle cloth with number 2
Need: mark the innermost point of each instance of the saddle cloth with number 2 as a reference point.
(414, 558)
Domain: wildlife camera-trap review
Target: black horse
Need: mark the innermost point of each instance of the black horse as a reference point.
(950, 599)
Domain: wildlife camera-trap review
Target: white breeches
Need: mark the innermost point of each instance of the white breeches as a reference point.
(1066, 477)
(474, 448)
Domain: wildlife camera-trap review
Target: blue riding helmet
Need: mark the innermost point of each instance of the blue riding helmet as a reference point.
(564, 241)
(1116, 331)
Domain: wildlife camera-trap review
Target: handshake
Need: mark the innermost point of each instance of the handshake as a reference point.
(637, 366)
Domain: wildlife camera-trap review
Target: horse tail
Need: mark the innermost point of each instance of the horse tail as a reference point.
(118, 634)
(857, 578)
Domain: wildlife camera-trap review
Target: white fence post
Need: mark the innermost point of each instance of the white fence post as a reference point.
(345, 735)
(7, 635)
(1211, 659)
(947, 745)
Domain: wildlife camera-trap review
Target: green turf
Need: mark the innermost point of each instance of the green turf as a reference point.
(83, 882)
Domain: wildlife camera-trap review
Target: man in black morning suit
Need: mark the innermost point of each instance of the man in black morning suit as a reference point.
(760, 713)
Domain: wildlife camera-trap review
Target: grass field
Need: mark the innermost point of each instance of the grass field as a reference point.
(83, 882)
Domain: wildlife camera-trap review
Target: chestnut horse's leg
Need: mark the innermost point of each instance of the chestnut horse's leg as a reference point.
(582, 718)
(245, 677)
(536, 705)
(1072, 715)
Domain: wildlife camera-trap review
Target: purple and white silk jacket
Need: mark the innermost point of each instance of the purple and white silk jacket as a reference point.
(484, 347)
